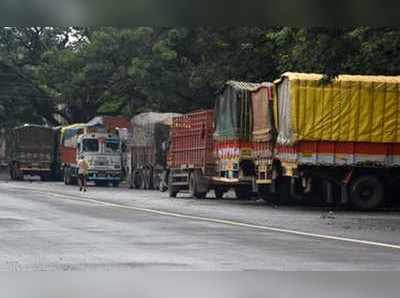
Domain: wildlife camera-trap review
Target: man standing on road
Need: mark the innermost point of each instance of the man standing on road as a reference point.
(82, 172)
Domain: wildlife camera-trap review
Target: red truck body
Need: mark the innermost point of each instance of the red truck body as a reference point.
(192, 141)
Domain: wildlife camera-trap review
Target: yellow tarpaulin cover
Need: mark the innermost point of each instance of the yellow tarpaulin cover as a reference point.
(348, 109)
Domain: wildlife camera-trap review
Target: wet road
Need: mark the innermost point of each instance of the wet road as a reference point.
(49, 226)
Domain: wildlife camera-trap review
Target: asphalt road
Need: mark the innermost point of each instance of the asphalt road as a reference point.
(50, 226)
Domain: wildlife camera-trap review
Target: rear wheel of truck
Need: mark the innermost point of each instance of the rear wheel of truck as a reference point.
(194, 181)
(163, 181)
(172, 190)
(219, 192)
(147, 179)
(115, 183)
(138, 180)
(243, 192)
(366, 193)
(130, 180)
(67, 178)
(12, 172)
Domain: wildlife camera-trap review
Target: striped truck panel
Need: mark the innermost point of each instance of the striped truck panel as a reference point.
(340, 154)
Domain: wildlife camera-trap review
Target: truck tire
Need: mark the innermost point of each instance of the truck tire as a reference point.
(243, 192)
(194, 181)
(138, 180)
(157, 181)
(130, 181)
(366, 193)
(115, 183)
(219, 192)
(172, 190)
(12, 172)
(67, 178)
(163, 181)
(147, 178)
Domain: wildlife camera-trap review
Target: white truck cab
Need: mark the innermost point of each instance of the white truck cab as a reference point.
(102, 151)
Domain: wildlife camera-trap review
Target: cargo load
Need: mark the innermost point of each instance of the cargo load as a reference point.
(147, 149)
(233, 111)
(119, 123)
(350, 108)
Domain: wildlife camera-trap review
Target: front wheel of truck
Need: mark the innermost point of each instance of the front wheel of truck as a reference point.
(172, 190)
(219, 192)
(194, 187)
(243, 192)
(67, 178)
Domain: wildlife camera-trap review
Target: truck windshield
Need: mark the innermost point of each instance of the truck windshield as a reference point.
(111, 146)
(90, 145)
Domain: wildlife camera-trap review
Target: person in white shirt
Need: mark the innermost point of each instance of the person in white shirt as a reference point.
(83, 171)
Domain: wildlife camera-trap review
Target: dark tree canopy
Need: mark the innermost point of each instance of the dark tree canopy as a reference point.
(51, 74)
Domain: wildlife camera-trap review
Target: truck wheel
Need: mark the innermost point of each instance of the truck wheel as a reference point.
(164, 182)
(130, 180)
(115, 183)
(366, 193)
(157, 181)
(12, 172)
(219, 192)
(147, 179)
(138, 180)
(172, 190)
(243, 192)
(67, 178)
(193, 186)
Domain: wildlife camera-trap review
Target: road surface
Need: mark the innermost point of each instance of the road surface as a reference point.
(53, 227)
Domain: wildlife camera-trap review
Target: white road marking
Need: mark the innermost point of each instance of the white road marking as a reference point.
(223, 221)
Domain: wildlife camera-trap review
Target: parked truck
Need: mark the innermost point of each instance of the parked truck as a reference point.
(339, 138)
(100, 147)
(214, 149)
(31, 150)
(147, 150)
(121, 125)
(191, 160)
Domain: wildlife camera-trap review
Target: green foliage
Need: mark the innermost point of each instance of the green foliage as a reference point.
(78, 72)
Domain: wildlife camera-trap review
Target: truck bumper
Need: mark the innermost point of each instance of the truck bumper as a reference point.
(232, 181)
(95, 176)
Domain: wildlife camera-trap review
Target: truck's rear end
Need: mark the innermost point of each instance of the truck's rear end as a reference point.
(263, 136)
(147, 150)
(339, 139)
(233, 145)
(191, 162)
(31, 150)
